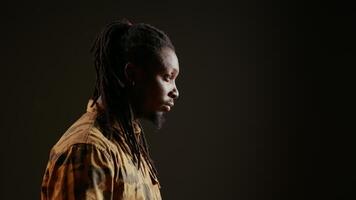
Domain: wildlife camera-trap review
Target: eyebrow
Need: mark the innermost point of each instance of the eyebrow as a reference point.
(175, 71)
(172, 71)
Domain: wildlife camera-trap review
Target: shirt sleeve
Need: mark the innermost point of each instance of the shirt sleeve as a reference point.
(82, 172)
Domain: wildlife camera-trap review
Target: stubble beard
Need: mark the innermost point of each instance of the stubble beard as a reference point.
(157, 118)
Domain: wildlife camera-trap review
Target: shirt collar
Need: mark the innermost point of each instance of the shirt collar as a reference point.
(98, 107)
(94, 108)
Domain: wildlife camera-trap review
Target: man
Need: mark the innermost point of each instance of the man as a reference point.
(104, 155)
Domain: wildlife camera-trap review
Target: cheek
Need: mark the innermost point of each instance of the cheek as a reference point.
(156, 94)
(161, 91)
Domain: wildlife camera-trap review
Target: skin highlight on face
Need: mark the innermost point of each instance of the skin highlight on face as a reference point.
(154, 94)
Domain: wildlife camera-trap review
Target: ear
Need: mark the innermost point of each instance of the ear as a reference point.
(133, 73)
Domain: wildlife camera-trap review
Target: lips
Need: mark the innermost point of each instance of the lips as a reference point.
(168, 106)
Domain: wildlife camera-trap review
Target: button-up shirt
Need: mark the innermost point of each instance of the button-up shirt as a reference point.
(84, 164)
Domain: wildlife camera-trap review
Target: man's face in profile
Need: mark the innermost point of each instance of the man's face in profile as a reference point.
(157, 90)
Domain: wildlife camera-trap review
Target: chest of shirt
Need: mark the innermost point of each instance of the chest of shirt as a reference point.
(137, 183)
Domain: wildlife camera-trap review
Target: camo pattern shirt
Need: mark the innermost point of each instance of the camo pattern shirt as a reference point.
(84, 164)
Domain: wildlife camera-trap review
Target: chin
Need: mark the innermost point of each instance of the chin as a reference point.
(157, 118)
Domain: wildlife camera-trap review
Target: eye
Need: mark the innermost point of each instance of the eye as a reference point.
(167, 77)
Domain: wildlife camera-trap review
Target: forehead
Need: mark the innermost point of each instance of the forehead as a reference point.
(169, 60)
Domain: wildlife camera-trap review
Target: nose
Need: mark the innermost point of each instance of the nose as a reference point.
(174, 93)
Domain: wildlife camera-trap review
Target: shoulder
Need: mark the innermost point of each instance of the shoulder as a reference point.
(81, 154)
(83, 135)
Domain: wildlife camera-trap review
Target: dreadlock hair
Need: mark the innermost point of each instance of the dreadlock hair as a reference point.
(118, 43)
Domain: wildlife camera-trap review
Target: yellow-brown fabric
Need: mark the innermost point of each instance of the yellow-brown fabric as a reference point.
(84, 164)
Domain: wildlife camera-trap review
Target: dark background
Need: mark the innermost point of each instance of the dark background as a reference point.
(265, 94)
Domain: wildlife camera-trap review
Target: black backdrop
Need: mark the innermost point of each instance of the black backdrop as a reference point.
(265, 94)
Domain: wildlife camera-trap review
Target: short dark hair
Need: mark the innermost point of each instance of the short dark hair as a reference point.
(117, 44)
